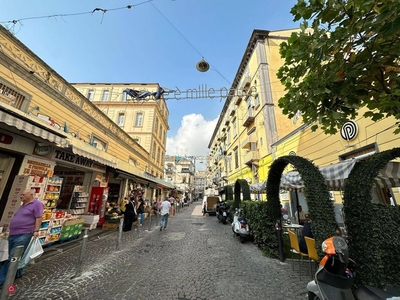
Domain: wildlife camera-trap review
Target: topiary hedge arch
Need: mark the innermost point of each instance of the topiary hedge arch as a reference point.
(320, 206)
(241, 186)
(228, 191)
(374, 229)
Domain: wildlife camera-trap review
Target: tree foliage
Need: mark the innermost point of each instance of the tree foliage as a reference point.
(345, 57)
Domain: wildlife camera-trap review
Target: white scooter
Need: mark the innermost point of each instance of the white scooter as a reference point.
(240, 227)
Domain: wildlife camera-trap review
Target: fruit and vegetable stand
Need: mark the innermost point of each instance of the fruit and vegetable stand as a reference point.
(72, 228)
(50, 228)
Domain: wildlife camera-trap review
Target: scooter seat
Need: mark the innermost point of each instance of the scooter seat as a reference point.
(240, 219)
(371, 293)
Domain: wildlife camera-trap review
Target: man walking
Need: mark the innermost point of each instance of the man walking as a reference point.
(25, 224)
(165, 206)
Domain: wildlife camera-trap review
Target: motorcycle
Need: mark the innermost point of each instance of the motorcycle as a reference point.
(240, 226)
(336, 274)
(222, 212)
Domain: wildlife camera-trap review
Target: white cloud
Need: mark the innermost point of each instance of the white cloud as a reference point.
(193, 136)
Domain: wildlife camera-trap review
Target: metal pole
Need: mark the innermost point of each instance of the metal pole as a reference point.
(297, 207)
(12, 271)
(138, 224)
(82, 254)
(150, 213)
(121, 224)
(280, 240)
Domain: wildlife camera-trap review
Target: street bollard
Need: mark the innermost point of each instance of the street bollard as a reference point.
(12, 271)
(121, 224)
(82, 254)
(278, 227)
(138, 225)
(150, 213)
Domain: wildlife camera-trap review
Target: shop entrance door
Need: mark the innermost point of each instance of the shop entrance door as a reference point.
(6, 163)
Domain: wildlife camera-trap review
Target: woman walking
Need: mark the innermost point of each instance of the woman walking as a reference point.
(129, 214)
(140, 211)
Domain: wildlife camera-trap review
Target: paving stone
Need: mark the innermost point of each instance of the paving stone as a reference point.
(196, 258)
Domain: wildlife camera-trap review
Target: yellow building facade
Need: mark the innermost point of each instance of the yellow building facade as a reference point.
(146, 121)
(252, 131)
(250, 121)
(48, 127)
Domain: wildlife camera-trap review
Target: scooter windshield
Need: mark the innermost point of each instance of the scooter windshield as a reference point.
(329, 292)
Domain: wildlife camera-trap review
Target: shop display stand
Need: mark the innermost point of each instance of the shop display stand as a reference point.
(113, 193)
(52, 192)
(79, 200)
(52, 221)
(51, 227)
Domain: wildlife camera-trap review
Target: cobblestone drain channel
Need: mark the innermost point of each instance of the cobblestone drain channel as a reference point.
(195, 258)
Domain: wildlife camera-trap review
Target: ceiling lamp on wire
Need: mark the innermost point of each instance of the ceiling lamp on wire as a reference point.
(202, 66)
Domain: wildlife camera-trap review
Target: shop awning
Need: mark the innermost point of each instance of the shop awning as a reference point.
(28, 125)
(158, 181)
(258, 187)
(336, 175)
(83, 149)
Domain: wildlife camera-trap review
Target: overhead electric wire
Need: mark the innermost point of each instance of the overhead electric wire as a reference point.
(189, 42)
(104, 10)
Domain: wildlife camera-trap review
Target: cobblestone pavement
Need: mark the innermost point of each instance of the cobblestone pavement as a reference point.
(195, 258)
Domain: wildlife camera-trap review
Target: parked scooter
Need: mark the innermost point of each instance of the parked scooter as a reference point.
(336, 274)
(222, 212)
(240, 227)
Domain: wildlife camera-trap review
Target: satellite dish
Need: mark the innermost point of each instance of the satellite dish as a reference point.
(202, 66)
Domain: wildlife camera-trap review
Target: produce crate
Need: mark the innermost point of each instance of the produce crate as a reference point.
(110, 226)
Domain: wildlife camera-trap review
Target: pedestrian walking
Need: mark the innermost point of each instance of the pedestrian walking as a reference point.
(23, 226)
(165, 207)
(129, 214)
(140, 211)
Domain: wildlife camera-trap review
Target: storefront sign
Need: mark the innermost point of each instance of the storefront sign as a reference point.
(43, 150)
(349, 130)
(36, 166)
(77, 160)
(5, 138)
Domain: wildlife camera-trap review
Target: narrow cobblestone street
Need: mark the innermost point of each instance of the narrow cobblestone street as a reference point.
(195, 258)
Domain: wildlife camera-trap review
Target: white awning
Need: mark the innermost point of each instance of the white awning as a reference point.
(258, 187)
(336, 175)
(25, 124)
(83, 149)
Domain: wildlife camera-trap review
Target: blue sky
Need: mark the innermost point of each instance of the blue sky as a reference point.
(157, 41)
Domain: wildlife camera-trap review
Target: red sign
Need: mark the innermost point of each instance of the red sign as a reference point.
(5, 138)
(11, 288)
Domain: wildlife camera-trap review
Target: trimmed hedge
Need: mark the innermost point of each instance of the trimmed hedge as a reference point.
(320, 206)
(374, 229)
(241, 186)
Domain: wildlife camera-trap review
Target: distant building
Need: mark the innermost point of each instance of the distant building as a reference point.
(144, 119)
(179, 171)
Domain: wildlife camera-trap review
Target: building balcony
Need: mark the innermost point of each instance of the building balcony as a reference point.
(224, 176)
(238, 100)
(251, 158)
(249, 140)
(169, 170)
(246, 82)
(223, 149)
(232, 112)
(226, 122)
(249, 117)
